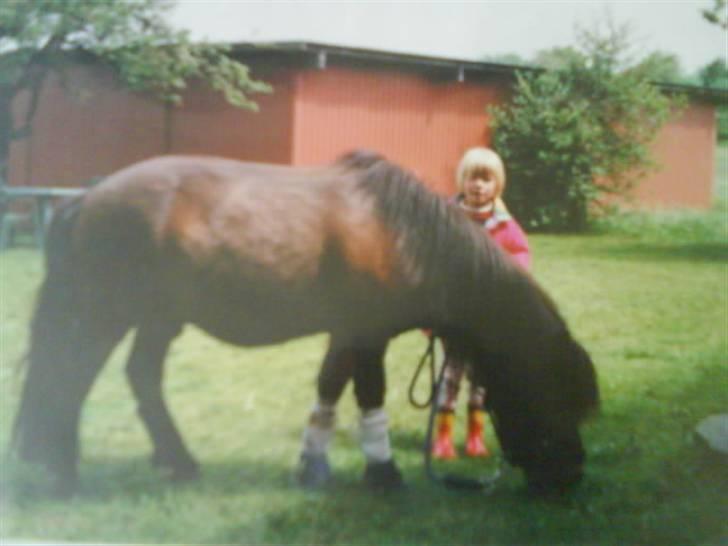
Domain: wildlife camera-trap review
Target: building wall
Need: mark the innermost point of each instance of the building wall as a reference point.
(208, 125)
(421, 124)
(91, 127)
(685, 152)
(84, 128)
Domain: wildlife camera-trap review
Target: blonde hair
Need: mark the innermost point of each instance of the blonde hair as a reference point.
(476, 159)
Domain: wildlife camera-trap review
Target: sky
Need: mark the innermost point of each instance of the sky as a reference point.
(461, 30)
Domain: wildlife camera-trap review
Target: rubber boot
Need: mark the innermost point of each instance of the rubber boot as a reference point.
(443, 446)
(475, 445)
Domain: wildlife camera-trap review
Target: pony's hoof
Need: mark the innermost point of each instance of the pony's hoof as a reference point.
(313, 471)
(177, 471)
(185, 473)
(64, 488)
(383, 476)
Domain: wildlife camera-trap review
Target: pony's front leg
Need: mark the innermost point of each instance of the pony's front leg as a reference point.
(369, 388)
(364, 363)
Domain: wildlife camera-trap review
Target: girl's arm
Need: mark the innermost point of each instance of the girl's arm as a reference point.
(514, 242)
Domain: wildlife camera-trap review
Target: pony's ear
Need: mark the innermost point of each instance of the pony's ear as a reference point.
(359, 159)
(573, 378)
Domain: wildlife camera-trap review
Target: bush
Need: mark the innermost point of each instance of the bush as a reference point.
(715, 76)
(722, 123)
(571, 135)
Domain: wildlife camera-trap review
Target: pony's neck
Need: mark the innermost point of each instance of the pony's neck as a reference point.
(501, 313)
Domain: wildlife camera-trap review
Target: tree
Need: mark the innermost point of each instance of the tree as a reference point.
(505, 58)
(715, 75)
(557, 58)
(39, 37)
(572, 135)
(661, 67)
(718, 14)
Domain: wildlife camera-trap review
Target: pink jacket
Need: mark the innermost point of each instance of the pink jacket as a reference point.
(505, 231)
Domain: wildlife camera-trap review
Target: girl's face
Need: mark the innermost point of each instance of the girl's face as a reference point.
(480, 188)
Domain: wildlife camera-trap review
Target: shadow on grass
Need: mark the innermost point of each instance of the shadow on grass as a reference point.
(109, 478)
(642, 250)
(609, 501)
(637, 251)
(103, 480)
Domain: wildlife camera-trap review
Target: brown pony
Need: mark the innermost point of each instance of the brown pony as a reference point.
(257, 254)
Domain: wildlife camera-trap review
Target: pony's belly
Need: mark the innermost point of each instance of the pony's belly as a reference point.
(254, 311)
(253, 324)
(256, 333)
(282, 320)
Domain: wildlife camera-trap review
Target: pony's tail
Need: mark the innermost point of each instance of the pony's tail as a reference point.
(53, 330)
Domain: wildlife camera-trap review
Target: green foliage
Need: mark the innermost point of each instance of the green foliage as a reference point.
(661, 67)
(505, 58)
(37, 37)
(658, 66)
(717, 14)
(165, 70)
(558, 58)
(131, 35)
(715, 75)
(722, 114)
(571, 135)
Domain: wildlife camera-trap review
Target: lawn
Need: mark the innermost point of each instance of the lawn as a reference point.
(649, 299)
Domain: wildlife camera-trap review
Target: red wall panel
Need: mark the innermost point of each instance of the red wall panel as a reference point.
(92, 126)
(206, 124)
(684, 150)
(424, 125)
(84, 128)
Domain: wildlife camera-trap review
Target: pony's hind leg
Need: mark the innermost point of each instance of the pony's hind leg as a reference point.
(145, 371)
(58, 381)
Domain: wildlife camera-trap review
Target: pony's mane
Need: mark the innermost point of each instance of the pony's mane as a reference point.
(443, 242)
(434, 232)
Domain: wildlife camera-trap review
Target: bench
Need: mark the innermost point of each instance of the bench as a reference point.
(29, 209)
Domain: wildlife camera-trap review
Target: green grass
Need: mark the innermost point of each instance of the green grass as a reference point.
(651, 305)
(721, 173)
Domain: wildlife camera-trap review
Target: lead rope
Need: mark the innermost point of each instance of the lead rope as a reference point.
(427, 358)
(451, 481)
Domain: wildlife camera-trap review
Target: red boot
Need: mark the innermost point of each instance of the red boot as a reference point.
(475, 445)
(443, 447)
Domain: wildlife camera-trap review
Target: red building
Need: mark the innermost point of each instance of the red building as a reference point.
(422, 112)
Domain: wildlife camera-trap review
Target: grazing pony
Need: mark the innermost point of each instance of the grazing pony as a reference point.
(257, 254)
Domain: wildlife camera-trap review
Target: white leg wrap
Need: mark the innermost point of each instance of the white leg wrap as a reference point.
(374, 436)
(320, 429)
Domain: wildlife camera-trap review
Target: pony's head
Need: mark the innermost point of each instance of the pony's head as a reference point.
(538, 397)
